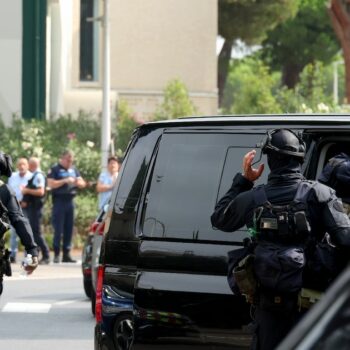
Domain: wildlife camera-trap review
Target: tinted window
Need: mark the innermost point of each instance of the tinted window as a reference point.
(191, 173)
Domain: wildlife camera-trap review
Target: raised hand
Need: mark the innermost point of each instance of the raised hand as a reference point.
(250, 173)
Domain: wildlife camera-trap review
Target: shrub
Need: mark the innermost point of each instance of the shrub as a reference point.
(125, 126)
(176, 103)
(47, 140)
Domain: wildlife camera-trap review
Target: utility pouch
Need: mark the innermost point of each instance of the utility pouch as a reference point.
(244, 277)
(308, 297)
(234, 257)
(279, 267)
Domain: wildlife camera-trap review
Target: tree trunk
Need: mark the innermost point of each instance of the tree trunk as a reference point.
(339, 11)
(290, 74)
(223, 65)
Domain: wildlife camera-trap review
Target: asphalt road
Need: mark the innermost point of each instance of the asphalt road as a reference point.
(47, 310)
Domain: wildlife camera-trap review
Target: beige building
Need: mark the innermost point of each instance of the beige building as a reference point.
(152, 42)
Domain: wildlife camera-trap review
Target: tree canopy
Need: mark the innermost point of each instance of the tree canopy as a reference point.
(301, 40)
(248, 20)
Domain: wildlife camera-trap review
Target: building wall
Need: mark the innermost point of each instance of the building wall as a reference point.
(10, 58)
(153, 42)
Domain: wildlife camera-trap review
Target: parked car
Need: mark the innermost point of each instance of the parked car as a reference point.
(327, 324)
(87, 256)
(162, 276)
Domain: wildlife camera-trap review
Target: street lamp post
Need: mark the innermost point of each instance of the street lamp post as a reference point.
(106, 108)
(335, 82)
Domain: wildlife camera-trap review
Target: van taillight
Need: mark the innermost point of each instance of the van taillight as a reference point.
(94, 226)
(98, 305)
(101, 228)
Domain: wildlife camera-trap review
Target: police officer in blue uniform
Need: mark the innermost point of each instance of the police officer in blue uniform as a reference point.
(64, 180)
(283, 234)
(33, 200)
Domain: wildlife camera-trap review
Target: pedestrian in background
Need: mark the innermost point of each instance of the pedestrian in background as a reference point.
(107, 180)
(64, 180)
(33, 202)
(17, 181)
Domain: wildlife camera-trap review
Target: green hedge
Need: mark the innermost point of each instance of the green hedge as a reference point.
(47, 140)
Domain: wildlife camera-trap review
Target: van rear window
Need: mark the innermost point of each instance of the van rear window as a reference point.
(191, 172)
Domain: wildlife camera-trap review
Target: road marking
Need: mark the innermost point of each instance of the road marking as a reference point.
(65, 302)
(27, 307)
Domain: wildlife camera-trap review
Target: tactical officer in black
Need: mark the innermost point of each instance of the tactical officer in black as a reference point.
(11, 212)
(336, 174)
(282, 215)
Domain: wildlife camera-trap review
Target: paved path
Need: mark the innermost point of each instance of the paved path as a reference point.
(47, 310)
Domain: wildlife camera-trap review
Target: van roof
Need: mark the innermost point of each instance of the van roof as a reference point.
(309, 119)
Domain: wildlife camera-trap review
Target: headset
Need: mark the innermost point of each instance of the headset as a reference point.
(266, 145)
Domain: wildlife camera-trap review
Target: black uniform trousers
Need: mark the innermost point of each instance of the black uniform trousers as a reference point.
(35, 214)
(272, 326)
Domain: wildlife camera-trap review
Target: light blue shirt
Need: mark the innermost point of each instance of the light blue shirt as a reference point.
(16, 181)
(107, 179)
(39, 179)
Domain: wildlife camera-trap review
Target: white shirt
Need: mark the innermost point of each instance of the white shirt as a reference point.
(16, 181)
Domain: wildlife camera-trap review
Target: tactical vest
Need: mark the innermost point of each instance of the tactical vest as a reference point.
(35, 201)
(282, 223)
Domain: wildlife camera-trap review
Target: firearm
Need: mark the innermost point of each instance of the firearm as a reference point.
(5, 264)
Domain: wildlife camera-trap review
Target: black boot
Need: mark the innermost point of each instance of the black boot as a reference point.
(67, 258)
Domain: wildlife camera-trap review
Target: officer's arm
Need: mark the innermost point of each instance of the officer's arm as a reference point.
(52, 183)
(19, 221)
(80, 182)
(38, 192)
(231, 210)
(335, 221)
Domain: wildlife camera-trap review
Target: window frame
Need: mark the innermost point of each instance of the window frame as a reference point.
(95, 47)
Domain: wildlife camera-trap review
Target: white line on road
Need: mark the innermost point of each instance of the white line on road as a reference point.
(65, 302)
(27, 307)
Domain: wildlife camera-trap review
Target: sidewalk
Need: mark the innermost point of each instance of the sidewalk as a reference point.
(54, 271)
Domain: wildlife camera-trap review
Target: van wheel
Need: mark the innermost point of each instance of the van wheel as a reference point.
(87, 287)
(123, 332)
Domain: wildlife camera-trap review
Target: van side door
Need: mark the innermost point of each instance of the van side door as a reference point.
(181, 294)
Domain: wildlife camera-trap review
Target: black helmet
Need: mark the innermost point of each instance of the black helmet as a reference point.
(285, 142)
(5, 164)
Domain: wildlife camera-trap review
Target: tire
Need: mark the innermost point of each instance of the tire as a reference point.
(93, 301)
(87, 287)
(123, 332)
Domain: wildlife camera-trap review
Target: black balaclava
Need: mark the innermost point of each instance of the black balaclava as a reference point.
(287, 166)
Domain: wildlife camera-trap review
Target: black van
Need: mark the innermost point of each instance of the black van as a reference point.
(162, 280)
